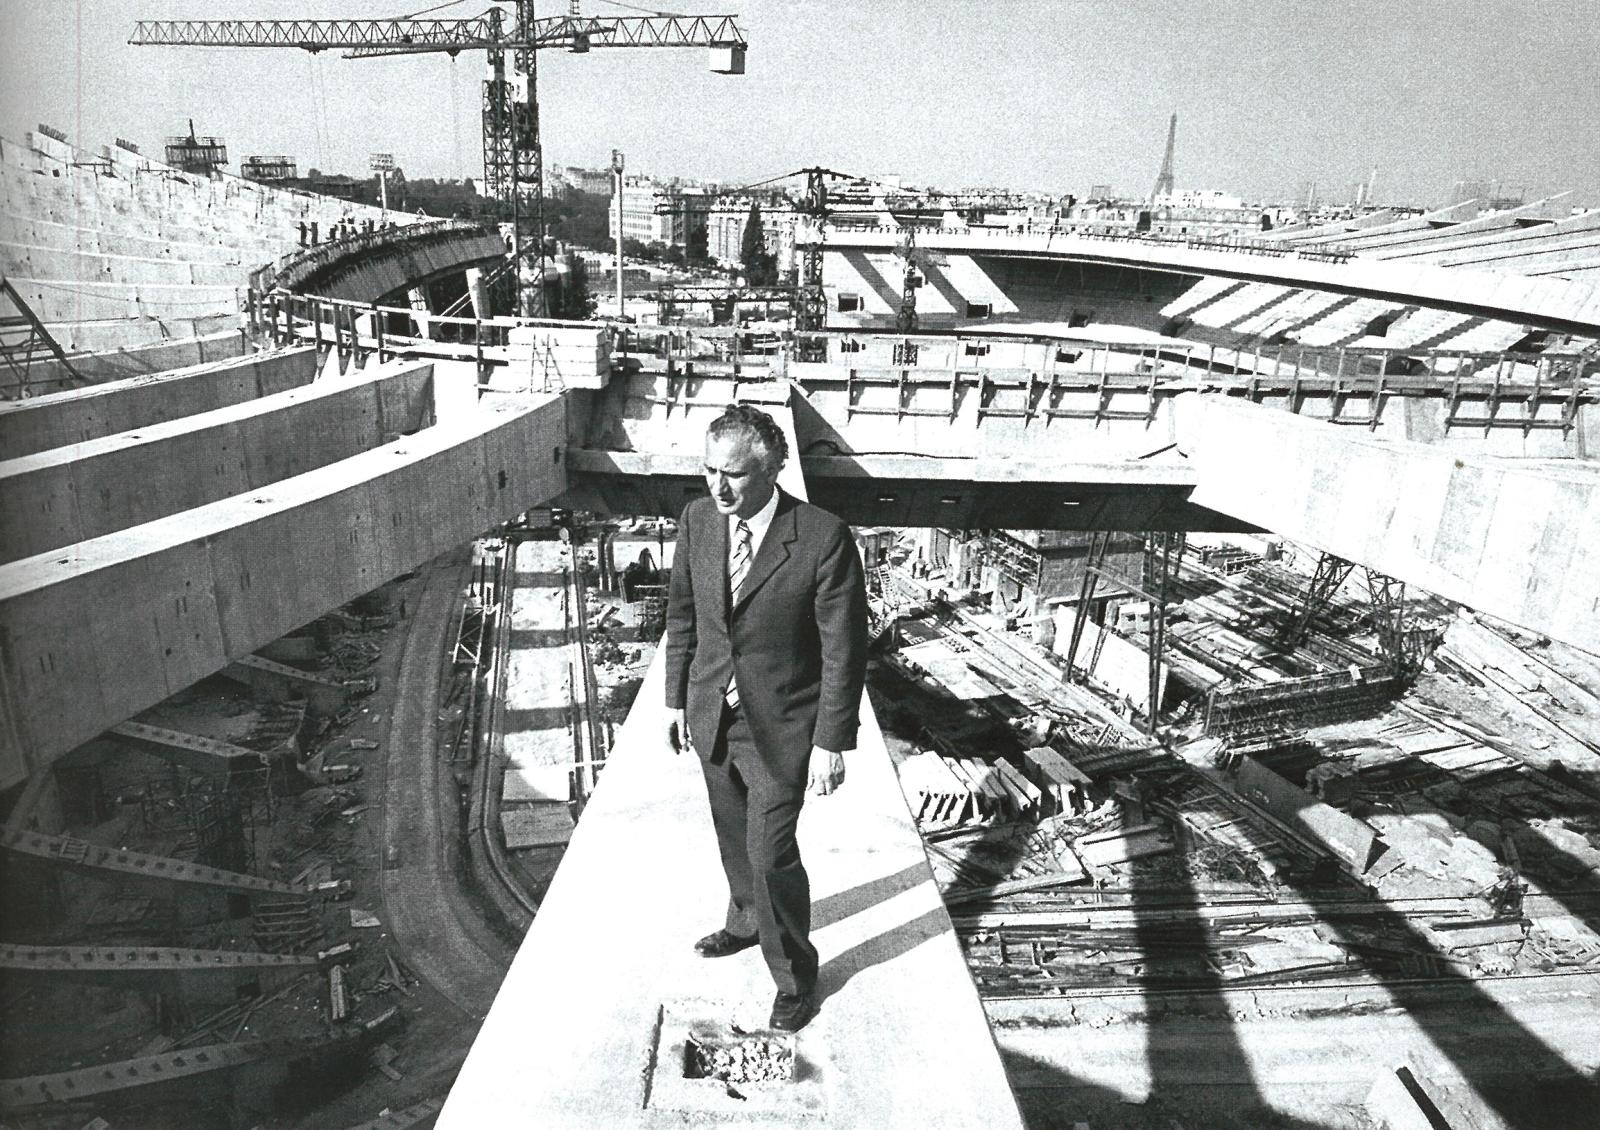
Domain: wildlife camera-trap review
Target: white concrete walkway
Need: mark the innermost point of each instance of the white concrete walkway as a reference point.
(571, 1040)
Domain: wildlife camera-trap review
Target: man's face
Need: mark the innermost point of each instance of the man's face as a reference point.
(737, 474)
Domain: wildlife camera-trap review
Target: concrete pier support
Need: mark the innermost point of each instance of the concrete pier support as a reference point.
(417, 296)
(479, 292)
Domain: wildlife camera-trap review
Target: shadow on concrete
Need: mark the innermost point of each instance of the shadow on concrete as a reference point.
(902, 939)
(1051, 1098)
(841, 905)
(1177, 951)
(528, 718)
(522, 639)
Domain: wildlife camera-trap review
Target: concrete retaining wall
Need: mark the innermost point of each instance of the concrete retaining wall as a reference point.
(111, 249)
(130, 618)
(70, 494)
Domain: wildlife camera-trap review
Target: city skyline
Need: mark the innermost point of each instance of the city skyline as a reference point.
(1269, 95)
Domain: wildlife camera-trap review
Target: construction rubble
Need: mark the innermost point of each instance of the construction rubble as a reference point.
(1330, 791)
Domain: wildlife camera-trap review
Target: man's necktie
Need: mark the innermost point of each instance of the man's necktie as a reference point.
(738, 567)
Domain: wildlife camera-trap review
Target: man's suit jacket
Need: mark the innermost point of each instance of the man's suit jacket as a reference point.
(796, 637)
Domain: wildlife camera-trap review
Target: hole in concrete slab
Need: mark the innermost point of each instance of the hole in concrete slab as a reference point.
(738, 1058)
(704, 1064)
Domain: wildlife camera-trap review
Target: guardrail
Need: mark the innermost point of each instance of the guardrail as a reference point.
(1326, 253)
(289, 271)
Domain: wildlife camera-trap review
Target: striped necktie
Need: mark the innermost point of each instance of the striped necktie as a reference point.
(738, 569)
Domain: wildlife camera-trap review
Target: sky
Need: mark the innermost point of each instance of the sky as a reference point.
(1047, 95)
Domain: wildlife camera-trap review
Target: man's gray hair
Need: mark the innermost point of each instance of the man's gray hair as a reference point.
(755, 425)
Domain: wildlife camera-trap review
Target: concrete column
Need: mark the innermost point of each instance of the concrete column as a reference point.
(418, 296)
(479, 293)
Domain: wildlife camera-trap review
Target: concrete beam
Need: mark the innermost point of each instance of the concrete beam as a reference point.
(171, 1076)
(93, 637)
(119, 359)
(876, 490)
(121, 865)
(402, 261)
(901, 1041)
(70, 494)
(141, 959)
(1511, 537)
(201, 755)
(80, 415)
(1555, 304)
(279, 682)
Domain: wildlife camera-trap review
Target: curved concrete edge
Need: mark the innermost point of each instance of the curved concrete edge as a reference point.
(1509, 537)
(1559, 304)
(81, 414)
(902, 1040)
(71, 494)
(97, 632)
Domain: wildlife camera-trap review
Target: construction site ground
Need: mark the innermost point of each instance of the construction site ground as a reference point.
(363, 830)
(1174, 949)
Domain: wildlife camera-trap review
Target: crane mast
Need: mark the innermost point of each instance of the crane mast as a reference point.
(513, 158)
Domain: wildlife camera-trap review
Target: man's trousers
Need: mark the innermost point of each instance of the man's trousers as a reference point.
(755, 815)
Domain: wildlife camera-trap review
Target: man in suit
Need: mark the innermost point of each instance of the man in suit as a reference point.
(766, 656)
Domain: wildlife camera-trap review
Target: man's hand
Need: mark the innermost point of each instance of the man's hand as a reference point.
(827, 771)
(677, 731)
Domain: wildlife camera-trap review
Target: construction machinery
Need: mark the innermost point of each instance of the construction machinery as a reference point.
(513, 162)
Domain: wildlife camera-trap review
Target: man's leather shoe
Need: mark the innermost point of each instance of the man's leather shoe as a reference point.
(793, 1011)
(722, 944)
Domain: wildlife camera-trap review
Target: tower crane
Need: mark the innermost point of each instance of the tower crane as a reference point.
(513, 159)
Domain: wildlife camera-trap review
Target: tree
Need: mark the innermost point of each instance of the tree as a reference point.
(571, 297)
(695, 241)
(754, 243)
(760, 266)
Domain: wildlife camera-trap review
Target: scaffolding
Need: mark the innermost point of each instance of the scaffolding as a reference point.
(260, 168)
(200, 155)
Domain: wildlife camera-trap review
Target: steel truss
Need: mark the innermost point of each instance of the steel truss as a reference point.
(1330, 574)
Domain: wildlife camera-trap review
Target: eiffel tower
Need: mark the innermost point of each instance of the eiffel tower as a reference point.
(1164, 178)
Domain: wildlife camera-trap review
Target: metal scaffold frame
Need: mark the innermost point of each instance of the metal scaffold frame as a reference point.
(1330, 573)
(1162, 558)
(24, 339)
